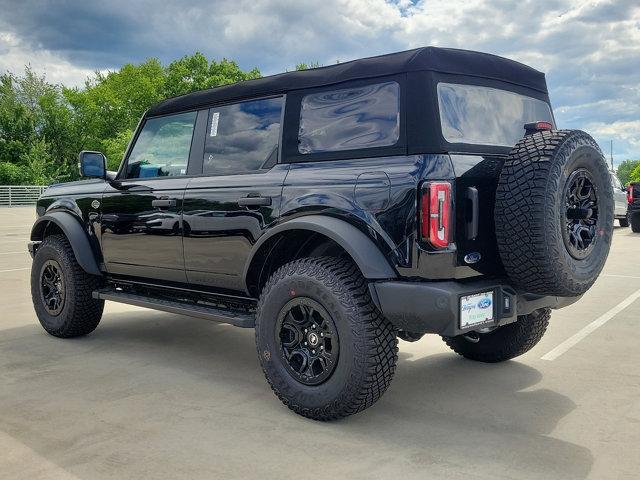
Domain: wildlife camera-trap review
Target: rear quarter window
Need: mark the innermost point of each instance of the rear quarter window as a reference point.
(480, 115)
(349, 119)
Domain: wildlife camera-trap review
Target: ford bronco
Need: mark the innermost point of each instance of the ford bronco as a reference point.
(334, 210)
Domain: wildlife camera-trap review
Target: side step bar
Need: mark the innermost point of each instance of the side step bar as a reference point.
(221, 315)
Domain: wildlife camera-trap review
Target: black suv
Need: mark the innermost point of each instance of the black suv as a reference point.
(633, 207)
(334, 210)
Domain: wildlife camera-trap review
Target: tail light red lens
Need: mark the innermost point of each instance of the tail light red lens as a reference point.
(630, 194)
(435, 214)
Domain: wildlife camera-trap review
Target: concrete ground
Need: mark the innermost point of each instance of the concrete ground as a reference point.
(155, 395)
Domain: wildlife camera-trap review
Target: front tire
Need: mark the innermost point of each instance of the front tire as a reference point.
(325, 349)
(624, 222)
(62, 291)
(503, 343)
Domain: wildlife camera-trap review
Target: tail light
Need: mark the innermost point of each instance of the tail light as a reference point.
(630, 194)
(435, 213)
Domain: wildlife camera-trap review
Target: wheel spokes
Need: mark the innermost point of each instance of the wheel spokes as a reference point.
(308, 342)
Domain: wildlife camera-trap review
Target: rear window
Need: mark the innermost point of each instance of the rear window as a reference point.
(349, 119)
(486, 116)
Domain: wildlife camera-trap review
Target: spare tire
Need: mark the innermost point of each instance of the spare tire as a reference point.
(554, 213)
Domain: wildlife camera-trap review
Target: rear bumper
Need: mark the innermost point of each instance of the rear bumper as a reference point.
(434, 307)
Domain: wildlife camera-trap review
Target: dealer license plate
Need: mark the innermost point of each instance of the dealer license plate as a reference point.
(476, 309)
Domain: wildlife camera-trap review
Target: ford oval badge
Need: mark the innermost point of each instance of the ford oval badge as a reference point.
(473, 257)
(484, 303)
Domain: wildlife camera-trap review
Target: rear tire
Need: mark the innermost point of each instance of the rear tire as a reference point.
(554, 213)
(62, 291)
(503, 343)
(330, 296)
(635, 223)
(624, 222)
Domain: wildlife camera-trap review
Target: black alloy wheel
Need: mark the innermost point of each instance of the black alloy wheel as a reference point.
(52, 289)
(581, 200)
(308, 341)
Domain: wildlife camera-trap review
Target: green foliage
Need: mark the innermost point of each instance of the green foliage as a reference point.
(40, 167)
(307, 66)
(12, 174)
(195, 72)
(635, 173)
(43, 127)
(625, 170)
(115, 147)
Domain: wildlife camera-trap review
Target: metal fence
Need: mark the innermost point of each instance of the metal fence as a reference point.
(16, 195)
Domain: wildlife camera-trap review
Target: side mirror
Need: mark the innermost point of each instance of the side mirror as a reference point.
(92, 164)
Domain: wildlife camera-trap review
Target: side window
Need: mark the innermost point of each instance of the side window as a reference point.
(162, 148)
(243, 137)
(349, 119)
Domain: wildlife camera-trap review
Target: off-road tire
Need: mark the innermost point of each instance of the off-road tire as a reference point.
(368, 346)
(531, 213)
(624, 222)
(81, 313)
(503, 343)
(635, 223)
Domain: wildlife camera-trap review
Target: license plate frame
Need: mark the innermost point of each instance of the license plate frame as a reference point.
(477, 309)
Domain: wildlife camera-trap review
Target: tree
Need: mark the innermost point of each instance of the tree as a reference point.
(624, 170)
(114, 148)
(40, 167)
(307, 66)
(195, 72)
(635, 173)
(16, 122)
(43, 126)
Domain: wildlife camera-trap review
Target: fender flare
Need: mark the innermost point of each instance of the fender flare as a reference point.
(78, 238)
(365, 253)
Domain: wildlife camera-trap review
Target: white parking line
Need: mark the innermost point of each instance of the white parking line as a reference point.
(598, 322)
(15, 269)
(620, 276)
(13, 253)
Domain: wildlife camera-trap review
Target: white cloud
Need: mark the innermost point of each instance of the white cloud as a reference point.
(14, 57)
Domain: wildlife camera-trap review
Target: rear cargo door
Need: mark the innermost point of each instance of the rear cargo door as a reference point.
(475, 188)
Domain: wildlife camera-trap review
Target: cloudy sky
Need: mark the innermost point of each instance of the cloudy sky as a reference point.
(590, 50)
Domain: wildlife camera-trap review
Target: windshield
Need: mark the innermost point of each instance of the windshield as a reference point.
(486, 116)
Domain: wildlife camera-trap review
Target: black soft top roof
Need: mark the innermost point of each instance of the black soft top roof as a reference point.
(435, 59)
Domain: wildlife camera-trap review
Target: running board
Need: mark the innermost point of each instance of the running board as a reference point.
(221, 315)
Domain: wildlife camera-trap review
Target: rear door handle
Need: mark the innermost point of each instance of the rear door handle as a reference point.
(254, 201)
(472, 223)
(163, 203)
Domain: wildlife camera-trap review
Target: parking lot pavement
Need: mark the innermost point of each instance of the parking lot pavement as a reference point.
(155, 395)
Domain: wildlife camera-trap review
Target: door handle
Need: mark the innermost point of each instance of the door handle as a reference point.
(137, 188)
(474, 220)
(163, 203)
(254, 201)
